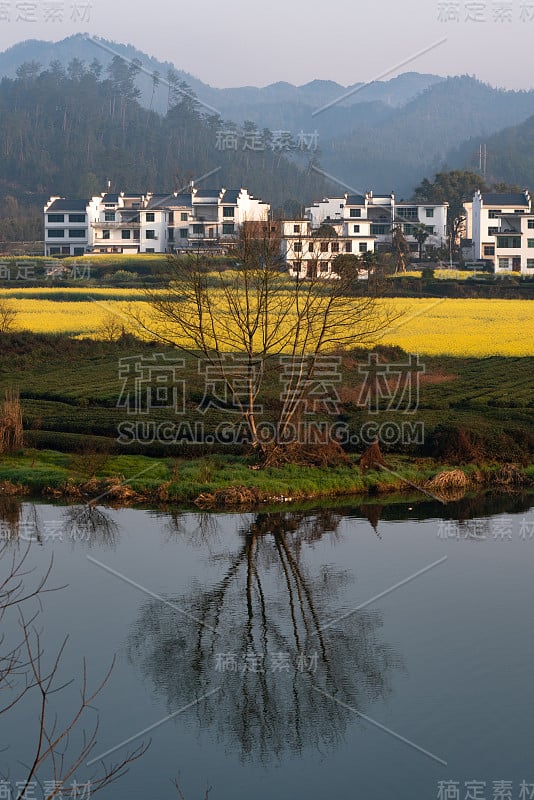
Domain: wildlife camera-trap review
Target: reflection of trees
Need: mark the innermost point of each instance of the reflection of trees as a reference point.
(257, 634)
(10, 514)
(91, 524)
(82, 523)
(19, 521)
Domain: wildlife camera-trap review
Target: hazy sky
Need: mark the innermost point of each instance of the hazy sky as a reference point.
(238, 42)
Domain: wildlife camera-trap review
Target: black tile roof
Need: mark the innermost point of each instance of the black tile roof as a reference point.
(355, 200)
(231, 195)
(208, 193)
(505, 199)
(110, 198)
(68, 205)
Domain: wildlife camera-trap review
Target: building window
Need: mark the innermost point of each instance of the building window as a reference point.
(530, 242)
(493, 231)
(324, 247)
(504, 263)
(170, 234)
(76, 217)
(511, 242)
(78, 251)
(149, 250)
(335, 247)
(228, 211)
(54, 251)
(126, 234)
(493, 214)
(77, 233)
(379, 230)
(56, 217)
(296, 228)
(136, 234)
(150, 234)
(150, 216)
(410, 230)
(409, 213)
(530, 263)
(228, 229)
(183, 216)
(109, 205)
(171, 217)
(363, 247)
(348, 247)
(105, 234)
(310, 247)
(183, 233)
(429, 212)
(531, 223)
(489, 250)
(297, 247)
(198, 229)
(355, 212)
(109, 216)
(355, 228)
(296, 265)
(56, 233)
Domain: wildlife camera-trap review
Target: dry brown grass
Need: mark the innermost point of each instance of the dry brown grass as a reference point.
(449, 480)
(11, 430)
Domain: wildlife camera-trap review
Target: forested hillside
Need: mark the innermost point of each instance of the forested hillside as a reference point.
(423, 136)
(69, 132)
(510, 155)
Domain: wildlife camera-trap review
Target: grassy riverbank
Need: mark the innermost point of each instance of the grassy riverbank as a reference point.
(140, 479)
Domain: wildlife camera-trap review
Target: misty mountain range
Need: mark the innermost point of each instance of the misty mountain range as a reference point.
(387, 135)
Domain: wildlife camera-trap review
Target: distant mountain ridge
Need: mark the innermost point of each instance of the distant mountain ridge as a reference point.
(423, 136)
(388, 134)
(233, 102)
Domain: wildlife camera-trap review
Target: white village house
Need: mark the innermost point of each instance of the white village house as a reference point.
(310, 252)
(374, 215)
(500, 227)
(148, 223)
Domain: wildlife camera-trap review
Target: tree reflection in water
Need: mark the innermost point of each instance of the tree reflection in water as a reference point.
(91, 524)
(257, 634)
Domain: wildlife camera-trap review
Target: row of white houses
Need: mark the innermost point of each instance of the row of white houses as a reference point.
(210, 218)
(148, 223)
(499, 226)
(357, 224)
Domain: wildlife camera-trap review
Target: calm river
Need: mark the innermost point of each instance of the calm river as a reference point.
(339, 652)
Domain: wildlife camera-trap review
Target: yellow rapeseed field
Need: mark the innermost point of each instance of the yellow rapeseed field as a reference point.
(459, 327)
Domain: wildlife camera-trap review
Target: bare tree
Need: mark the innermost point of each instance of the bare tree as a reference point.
(254, 313)
(11, 428)
(8, 315)
(401, 248)
(111, 328)
(26, 672)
